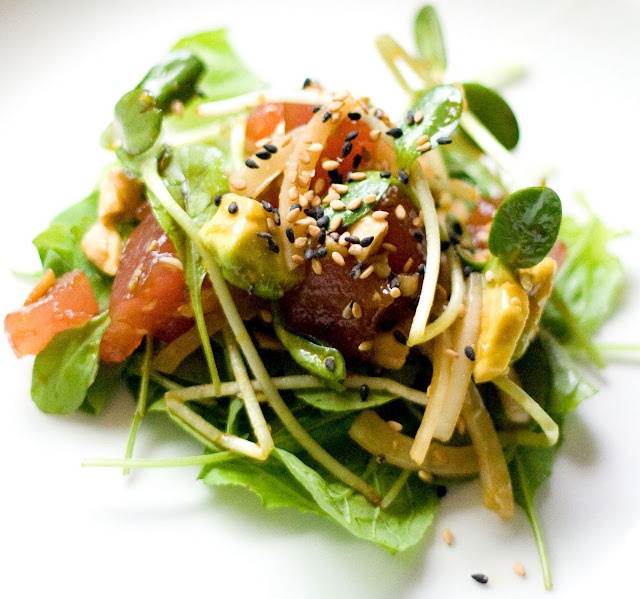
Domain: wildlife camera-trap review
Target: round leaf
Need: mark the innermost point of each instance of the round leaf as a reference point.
(494, 113)
(137, 121)
(526, 226)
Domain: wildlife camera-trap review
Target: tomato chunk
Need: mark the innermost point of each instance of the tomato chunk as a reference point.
(147, 291)
(68, 303)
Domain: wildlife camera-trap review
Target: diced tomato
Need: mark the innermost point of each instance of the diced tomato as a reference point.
(147, 291)
(68, 303)
(296, 115)
(352, 154)
(261, 123)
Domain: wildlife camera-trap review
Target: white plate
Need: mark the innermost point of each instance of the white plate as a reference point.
(95, 533)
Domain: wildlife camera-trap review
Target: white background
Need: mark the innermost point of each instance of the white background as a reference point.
(94, 533)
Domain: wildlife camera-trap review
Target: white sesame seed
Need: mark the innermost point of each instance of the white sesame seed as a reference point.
(374, 134)
(447, 536)
(370, 199)
(357, 176)
(315, 147)
(340, 188)
(401, 213)
(316, 266)
(379, 215)
(519, 569)
(293, 192)
(346, 312)
(394, 425)
(330, 165)
(238, 183)
(365, 346)
(356, 310)
(336, 221)
(354, 204)
(395, 293)
(337, 205)
(337, 258)
(367, 271)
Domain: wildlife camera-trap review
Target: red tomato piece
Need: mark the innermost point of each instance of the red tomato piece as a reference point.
(147, 291)
(261, 123)
(68, 303)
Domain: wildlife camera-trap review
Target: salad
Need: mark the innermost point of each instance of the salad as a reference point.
(350, 310)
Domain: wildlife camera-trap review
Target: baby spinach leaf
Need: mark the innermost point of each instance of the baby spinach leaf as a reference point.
(396, 528)
(429, 39)
(493, 112)
(174, 78)
(319, 359)
(65, 369)
(441, 107)
(525, 226)
(372, 185)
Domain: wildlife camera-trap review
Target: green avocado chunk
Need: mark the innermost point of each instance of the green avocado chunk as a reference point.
(238, 235)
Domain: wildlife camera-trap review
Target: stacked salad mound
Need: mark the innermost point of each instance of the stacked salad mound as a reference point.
(349, 311)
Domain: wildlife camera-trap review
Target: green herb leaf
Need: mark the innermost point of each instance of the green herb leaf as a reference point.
(103, 387)
(590, 282)
(319, 359)
(175, 78)
(59, 245)
(441, 107)
(137, 121)
(226, 75)
(65, 369)
(525, 226)
(373, 184)
(429, 39)
(343, 401)
(493, 112)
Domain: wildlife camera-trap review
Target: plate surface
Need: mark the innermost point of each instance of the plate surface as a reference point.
(95, 533)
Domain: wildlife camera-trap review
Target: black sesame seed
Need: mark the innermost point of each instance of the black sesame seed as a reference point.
(394, 282)
(385, 174)
(411, 120)
(320, 252)
(444, 245)
(251, 163)
(441, 491)
(400, 337)
(323, 222)
(395, 132)
(316, 108)
(250, 289)
(322, 236)
(381, 458)
(330, 363)
(364, 392)
(315, 212)
(307, 82)
(365, 242)
(334, 235)
(354, 116)
(443, 141)
(294, 206)
(418, 236)
(217, 199)
(346, 149)
(335, 176)
(263, 154)
(351, 136)
(467, 270)
(273, 245)
(264, 235)
(270, 148)
(470, 353)
(352, 239)
(402, 175)
(481, 578)
(290, 234)
(308, 254)
(454, 238)
(268, 207)
(357, 160)
(456, 227)
(233, 208)
(422, 268)
(276, 217)
(356, 271)
(326, 116)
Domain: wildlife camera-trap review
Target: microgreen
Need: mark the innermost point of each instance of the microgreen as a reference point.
(525, 226)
